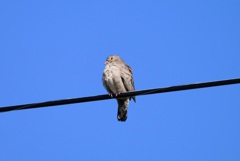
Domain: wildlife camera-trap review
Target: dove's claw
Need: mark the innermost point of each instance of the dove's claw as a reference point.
(114, 95)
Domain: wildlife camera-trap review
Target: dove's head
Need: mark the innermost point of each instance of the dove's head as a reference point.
(113, 59)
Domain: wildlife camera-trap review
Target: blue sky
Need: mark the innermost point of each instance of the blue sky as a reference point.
(54, 50)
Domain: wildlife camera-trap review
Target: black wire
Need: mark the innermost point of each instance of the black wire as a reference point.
(128, 94)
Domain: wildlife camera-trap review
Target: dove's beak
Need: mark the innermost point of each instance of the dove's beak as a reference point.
(106, 62)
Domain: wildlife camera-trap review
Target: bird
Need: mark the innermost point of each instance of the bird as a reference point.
(118, 78)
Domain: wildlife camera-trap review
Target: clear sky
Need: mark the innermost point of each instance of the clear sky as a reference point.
(53, 49)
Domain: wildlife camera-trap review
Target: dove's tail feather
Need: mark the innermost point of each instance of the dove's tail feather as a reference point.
(122, 109)
(122, 115)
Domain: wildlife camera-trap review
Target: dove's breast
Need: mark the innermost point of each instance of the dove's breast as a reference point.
(112, 79)
(109, 73)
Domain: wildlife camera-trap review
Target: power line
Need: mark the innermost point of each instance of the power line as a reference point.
(128, 94)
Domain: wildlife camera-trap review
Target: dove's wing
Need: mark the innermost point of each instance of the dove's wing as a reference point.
(127, 78)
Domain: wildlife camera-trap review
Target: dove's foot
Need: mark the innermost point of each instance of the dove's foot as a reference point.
(117, 94)
(111, 94)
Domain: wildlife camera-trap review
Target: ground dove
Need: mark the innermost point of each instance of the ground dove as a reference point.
(118, 78)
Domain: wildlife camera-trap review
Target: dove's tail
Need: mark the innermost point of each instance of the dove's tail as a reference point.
(122, 109)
